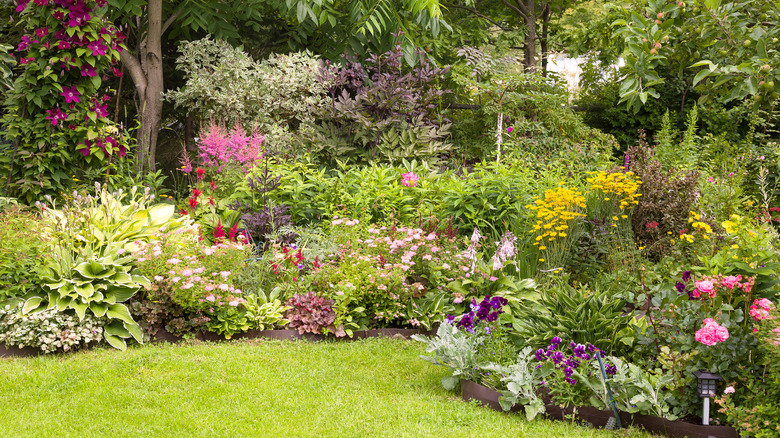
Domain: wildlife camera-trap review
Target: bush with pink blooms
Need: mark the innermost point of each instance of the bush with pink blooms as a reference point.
(198, 277)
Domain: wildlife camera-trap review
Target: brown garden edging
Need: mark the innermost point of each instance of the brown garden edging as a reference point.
(289, 335)
(285, 335)
(598, 418)
(9, 351)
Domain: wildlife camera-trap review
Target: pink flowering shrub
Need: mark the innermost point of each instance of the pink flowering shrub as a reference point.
(219, 147)
(390, 273)
(409, 179)
(711, 333)
(199, 277)
(710, 286)
(760, 309)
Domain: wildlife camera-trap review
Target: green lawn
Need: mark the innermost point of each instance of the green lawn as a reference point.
(370, 388)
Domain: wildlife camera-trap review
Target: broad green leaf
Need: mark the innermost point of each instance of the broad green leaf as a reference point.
(115, 341)
(32, 304)
(119, 311)
(80, 308)
(99, 309)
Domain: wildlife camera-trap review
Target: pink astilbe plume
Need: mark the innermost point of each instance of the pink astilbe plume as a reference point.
(218, 147)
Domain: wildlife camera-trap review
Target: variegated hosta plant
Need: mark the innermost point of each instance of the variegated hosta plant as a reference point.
(99, 284)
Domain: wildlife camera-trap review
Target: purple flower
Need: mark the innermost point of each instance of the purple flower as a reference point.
(493, 316)
(557, 357)
(474, 306)
(487, 329)
(571, 381)
(686, 276)
(71, 94)
(450, 319)
(680, 287)
(592, 348)
(41, 32)
(509, 130)
(555, 341)
(610, 369)
(568, 371)
(540, 355)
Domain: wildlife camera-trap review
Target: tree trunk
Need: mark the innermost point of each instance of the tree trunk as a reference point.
(543, 40)
(529, 50)
(147, 72)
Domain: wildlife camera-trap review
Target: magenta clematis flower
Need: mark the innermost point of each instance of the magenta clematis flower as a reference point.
(55, 115)
(71, 94)
(97, 47)
(88, 70)
(41, 32)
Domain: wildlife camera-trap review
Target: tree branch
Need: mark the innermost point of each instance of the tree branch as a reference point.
(133, 66)
(480, 15)
(172, 18)
(513, 7)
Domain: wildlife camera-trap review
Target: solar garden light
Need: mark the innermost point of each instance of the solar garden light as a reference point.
(705, 388)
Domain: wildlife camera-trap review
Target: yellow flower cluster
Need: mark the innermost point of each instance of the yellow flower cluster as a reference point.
(555, 211)
(697, 227)
(732, 225)
(623, 186)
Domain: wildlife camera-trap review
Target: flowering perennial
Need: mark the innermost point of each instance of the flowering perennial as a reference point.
(409, 179)
(555, 211)
(619, 186)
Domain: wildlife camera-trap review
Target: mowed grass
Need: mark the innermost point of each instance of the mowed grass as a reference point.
(369, 388)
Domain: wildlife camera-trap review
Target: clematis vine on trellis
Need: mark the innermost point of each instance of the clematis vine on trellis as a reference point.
(56, 114)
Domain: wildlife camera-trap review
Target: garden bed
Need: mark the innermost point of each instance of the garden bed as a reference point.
(599, 418)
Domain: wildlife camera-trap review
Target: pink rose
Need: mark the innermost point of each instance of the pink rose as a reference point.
(722, 333)
(708, 321)
(731, 281)
(765, 304)
(706, 287)
(706, 337)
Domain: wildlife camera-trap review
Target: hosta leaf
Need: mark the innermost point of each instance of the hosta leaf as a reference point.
(99, 309)
(33, 305)
(80, 308)
(115, 341)
(119, 311)
(122, 294)
(135, 330)
(86, 290)
(121, 277)
(63, 303)
(118, 329)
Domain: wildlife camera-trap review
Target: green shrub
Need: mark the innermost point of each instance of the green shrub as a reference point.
(23, 251)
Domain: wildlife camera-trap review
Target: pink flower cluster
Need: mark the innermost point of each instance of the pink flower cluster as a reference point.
(219, 147)
(711, 333)
(409, 179)
(709, 286)
(760, 309)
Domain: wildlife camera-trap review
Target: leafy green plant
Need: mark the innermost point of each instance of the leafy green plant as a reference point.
(585, 317)
(22, 253)
(265, 315)
(312, 314)
(98, 284)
